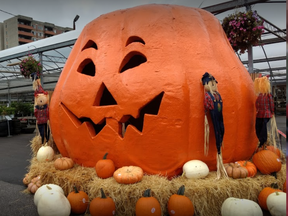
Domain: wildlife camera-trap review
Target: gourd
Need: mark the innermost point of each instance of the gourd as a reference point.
(45, 153)
(240, 207)
(276, 203)
(124, 75)
(179, 204)
(101, 206)
(34, 184)
(105, 167)
(26, 179)
(195, 169)
(264, 193)
(63, 163)
(267, 162)
(147, 205)
(128, 174)
(235, 171)
(251, 168)
(78, 201)
(46, 189)
(53, 203)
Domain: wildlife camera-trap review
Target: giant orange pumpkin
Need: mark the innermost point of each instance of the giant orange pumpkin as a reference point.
(131, 87)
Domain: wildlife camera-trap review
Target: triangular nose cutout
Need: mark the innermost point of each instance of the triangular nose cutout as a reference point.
(106, 98)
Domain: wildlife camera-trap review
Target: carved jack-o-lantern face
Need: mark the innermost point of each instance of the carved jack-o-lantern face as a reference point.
(131, 87)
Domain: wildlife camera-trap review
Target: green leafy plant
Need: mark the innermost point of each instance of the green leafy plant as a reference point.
(29, 66)
(243, 29)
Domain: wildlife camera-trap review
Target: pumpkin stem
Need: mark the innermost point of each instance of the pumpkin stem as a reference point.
(183, 174)
(277, 193)
(103, 196)
(147, 193)
(75, 189)
(105, 156)
(181, 190)
(245, 163)
(48, 187)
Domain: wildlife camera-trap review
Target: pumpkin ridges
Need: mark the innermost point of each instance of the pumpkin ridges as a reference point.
(102, 206)
(179, 204)
(267, 162)
(63, 163)
(147, 205)
(128, 174)
(78, 201)
(251, 168)
(105, 167)
(264, 193)
(235, 171)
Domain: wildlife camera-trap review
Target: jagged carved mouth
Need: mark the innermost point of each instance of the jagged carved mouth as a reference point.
(151, 108)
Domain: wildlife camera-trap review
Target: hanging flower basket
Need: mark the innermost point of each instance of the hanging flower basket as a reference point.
(243, 29)
(30, 67)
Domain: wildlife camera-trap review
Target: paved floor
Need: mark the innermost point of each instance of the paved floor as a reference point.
(14, 160)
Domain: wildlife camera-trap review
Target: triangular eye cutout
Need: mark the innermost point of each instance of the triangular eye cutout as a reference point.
(104, 97)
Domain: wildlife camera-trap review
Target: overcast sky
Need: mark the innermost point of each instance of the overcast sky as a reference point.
(62, 12)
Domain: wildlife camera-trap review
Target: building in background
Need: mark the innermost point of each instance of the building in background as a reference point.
(20, 30)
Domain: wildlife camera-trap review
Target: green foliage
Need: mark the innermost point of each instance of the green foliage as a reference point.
(23, 109)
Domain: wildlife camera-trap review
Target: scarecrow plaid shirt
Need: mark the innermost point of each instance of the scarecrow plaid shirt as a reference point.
(208, 102)
(265, 106)
(42, 114)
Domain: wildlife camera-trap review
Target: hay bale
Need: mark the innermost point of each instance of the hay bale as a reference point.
(207, 195)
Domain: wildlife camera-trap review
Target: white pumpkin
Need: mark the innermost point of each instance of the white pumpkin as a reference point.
(45, 153)
(53, 204)
(195, 169)
(276, 203)
(240, 207)
(45, 189)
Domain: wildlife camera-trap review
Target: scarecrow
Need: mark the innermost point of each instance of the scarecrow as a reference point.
(41, 112)
(213, 104)
(264, 110)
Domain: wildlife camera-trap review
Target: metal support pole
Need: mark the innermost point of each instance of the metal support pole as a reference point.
(250, 59)
(250, 48)
(41, 73)
(9, 95)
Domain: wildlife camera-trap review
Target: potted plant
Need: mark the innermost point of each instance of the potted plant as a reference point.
(243, 29)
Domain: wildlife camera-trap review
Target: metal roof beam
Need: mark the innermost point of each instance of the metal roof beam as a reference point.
(279, 58)
(229, 5)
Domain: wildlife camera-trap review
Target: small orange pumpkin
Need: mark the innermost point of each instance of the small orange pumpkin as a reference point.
(105, 167)
(148, 205)
(267, 162)
(235, 171)
(78, 201)
(179, 204)
(128, 174)
(103, 205)
(63, 163)
(251, 168)
(275, 150)
(262, 197)
(34, 184)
